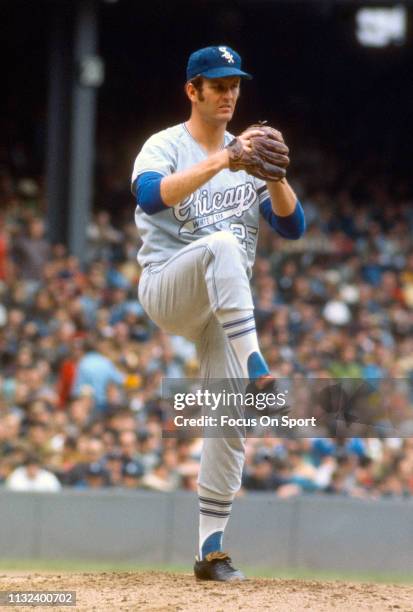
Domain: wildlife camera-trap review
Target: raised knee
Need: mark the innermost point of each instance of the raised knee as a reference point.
(225, 241)
(225, 236)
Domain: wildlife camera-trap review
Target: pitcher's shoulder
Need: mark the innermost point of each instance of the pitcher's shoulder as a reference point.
(170, 134)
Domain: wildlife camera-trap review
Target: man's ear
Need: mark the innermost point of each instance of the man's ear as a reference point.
(190, 91)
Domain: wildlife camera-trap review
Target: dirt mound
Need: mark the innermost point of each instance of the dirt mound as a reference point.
(161, 591)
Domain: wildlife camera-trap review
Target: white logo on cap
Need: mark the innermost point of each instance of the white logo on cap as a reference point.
(226, 55)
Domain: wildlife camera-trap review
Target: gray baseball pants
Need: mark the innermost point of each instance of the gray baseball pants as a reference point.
(182, 296)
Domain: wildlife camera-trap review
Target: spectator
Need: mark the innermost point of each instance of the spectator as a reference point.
(31, 477)
(163, 476)
(102, 237)
(32, 251)
(95, 477)
(4, 252)
(261, 476)
(132, 475)
(96, 371)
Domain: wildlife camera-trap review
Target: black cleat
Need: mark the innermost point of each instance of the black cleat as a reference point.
(217, 566)
(264, 384)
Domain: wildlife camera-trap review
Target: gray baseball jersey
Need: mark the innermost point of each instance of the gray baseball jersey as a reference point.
(228, 201)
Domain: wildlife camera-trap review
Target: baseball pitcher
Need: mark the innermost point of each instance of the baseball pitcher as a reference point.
(199, 194)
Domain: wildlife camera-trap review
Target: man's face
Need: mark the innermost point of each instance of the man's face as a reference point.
(32, 470)
(217, 99)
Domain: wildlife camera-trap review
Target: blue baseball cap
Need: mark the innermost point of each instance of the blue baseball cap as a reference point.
(214, 63)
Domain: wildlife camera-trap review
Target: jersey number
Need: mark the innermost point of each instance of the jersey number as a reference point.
(246, 234)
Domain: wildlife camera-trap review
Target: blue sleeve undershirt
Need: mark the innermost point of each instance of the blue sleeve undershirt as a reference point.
(291, 227)
(148, 192)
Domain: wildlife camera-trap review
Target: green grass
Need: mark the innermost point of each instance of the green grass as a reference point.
(57, 565)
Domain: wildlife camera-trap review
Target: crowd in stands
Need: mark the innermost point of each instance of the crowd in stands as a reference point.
(82, 365)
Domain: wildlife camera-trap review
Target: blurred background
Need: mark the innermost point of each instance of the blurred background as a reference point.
(85, 85)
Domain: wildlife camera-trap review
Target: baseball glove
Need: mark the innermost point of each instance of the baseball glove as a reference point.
(268, 158)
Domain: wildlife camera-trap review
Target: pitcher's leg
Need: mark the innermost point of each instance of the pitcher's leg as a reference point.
(203, 293)
(222, 458)
(208, 276)
(175, 295)
(227, 278)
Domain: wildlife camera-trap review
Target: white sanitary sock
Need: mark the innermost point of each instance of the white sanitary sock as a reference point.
(239, 327)
(214, 512)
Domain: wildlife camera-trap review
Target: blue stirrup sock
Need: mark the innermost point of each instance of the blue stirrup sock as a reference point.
(214, 512)
(213, 543)
(239, 327)
(257, 366)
